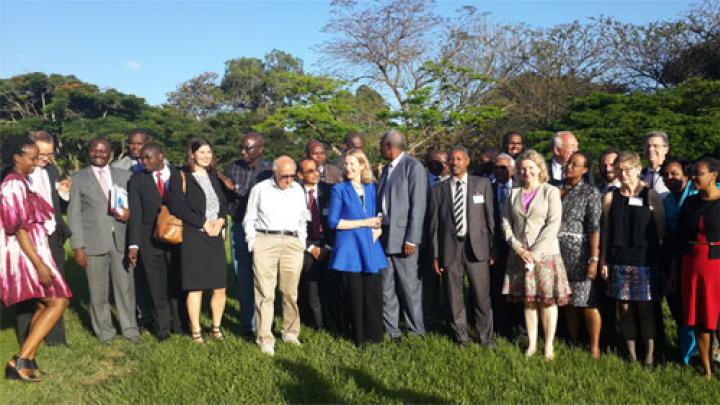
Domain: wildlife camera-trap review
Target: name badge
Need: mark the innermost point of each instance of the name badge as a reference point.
(478, 199)
(635, 202)
(324, 211)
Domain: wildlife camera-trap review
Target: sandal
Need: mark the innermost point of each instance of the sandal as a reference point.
(13, 372)
(216, 333)
(32, 366)
(197, 337)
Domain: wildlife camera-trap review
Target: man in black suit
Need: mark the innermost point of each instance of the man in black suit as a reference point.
(45, 180)
(313, 297)
(462, 227)
(147, 191)
(329, 173)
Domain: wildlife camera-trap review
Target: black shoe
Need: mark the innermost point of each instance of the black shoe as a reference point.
(13, 372)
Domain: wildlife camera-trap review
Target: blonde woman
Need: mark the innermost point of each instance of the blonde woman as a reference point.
(357, 253)
(535, 272)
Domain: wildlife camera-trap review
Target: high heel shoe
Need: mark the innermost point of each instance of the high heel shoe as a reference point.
(13, 372)
(216, 333)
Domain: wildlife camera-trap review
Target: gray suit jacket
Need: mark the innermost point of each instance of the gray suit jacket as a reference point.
(539, 226)
(88, 217)
(125, 163)
(480, 220)
(406, 194)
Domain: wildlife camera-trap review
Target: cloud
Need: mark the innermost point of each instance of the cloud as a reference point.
(132, 65)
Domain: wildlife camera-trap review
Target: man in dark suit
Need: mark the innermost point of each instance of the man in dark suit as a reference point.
(147, 191)
(98, 241)
(508, 317)
(564, 144)
(462, 227)
(315, 285)
(329, 173)
(45, 180)
(402, 201)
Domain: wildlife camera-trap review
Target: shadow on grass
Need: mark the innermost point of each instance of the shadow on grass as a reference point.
(308, 386)
(368, 383)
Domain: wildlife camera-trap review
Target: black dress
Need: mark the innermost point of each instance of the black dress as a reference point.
(203, 265)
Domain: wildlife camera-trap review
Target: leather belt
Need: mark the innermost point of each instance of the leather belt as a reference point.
(704, 243)
(281, 233)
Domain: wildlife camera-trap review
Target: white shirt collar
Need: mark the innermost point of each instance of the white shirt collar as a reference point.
(463, 179)
(395, 161)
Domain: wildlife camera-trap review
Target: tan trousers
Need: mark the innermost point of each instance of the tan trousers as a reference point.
(276, 257)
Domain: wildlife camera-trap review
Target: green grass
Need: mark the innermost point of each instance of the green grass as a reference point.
(331, 370)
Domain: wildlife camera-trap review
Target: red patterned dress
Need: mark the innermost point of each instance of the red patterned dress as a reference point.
(20, 208)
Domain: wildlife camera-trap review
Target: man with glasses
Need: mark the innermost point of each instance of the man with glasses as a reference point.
(275, 226)
(45, 180)
(239, 178)
(656, 149)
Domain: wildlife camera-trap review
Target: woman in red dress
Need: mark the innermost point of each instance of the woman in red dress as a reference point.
(27, 269)
(700, 274)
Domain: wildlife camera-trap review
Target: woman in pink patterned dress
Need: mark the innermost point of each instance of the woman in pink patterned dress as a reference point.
(27, 269)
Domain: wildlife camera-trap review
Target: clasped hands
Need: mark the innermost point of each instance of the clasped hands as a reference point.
(375, 224)
(213, 228)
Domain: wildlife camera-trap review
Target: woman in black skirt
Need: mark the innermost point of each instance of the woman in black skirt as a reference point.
(196, 197)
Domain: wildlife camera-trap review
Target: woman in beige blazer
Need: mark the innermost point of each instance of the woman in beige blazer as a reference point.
(535, 272)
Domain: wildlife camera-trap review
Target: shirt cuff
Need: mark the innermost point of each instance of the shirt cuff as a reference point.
(134, 247)
(410, 243)
(310, 248)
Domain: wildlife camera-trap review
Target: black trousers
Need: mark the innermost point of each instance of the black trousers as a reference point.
(143, 300)
(364, 300)
(162, 277)
(435, 310)
(312, 297)
(25, 310)
(478, 273)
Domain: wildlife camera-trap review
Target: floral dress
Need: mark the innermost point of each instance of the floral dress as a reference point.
(20, 208)
(581, 215)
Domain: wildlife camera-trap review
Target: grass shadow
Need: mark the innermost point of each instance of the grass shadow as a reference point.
(308, 385)
(370, 384)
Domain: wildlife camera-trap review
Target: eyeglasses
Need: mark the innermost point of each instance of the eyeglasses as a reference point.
(285, 176)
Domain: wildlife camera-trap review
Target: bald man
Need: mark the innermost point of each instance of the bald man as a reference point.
(564, 145)
(275, 227)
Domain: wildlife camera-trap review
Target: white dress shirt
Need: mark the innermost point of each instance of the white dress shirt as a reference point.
(270, 208)
(453, 187)
(654, 180)
(557, 170)
(40, 184)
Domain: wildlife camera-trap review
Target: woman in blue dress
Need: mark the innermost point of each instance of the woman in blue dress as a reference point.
(357, 253)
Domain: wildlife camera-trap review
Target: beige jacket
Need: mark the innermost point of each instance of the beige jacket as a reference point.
(538, 227)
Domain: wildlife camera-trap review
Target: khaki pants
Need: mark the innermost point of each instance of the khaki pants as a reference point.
(276, 256)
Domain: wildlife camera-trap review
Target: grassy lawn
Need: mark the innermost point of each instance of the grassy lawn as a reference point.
(329, 369)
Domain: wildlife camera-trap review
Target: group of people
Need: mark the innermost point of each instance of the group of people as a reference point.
(366, 255)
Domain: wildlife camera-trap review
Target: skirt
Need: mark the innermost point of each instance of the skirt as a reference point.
(700, 288)
(632, 283)
(546, 283)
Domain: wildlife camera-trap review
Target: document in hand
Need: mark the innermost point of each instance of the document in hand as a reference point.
(118, 199)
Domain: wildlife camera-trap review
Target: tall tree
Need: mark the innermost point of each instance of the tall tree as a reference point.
(199, 97)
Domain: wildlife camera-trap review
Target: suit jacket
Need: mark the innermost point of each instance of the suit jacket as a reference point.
(323, 201)
(92, 226)
(59, 205)
(405, 196)
(332, 174)
(539, 226)
(501, 246)
(354, 250)
(478, 213)
(145, 203)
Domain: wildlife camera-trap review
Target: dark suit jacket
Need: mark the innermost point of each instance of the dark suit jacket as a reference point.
(480, 220)
(145, 203)
(59, 205)
(332, 174)
(406, 200)
(323, 201)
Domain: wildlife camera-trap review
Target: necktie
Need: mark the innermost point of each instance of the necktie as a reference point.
(503, 193)
(160, 185)
(458, 208)
(315, 223)
(137, 167)
(102, 178)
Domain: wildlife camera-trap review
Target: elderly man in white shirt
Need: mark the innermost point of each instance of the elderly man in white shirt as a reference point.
(275, 226)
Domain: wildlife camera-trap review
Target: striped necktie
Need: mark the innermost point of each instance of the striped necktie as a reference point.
(458, 208)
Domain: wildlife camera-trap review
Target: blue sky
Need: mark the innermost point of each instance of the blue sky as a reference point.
(148, 47)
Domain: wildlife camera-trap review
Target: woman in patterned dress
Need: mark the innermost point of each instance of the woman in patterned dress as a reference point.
(580, 248)
(535, 272)
(27, 269)
(633, 226)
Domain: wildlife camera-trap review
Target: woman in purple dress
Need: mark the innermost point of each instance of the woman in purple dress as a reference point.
(27, 269)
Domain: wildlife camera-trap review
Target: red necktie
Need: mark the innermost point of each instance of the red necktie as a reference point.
(160, 185)
(315, 224)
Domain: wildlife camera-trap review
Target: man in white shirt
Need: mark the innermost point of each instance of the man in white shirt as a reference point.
(275, 226)
(607, 171)
(564, 145)
(657, 147)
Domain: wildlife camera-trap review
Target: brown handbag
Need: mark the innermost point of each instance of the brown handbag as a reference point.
(168, 227)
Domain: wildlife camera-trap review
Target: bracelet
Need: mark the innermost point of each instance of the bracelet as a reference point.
(593, 259)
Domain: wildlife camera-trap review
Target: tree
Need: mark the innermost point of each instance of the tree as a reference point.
(199, 97)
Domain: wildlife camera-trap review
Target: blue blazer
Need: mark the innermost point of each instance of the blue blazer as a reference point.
(354, 250)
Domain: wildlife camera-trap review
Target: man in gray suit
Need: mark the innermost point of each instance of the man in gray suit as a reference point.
(462, 225)
(98, 241)
(402, 199)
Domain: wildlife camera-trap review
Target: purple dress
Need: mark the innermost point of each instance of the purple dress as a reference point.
(21, 208)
